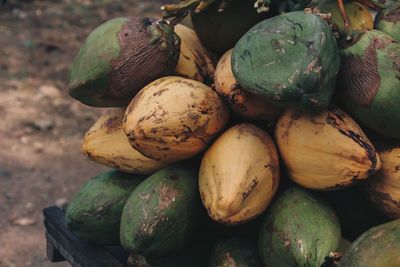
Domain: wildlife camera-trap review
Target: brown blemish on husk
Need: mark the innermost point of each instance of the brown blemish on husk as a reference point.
(137, 147)
(277, 44)
(383, 201)
(199, 133)
(90, 132)
(157, 116)
(310, 66)
(392, 15)
(202, 57)
(113, 124)
(337, 186)
(133, 103)
(294, 116)
(252, 130)
(379, 234)
(159, 92)
(147, 227)
(286, 243)
(192, 95)
(193, 115)
(162, 148)
(187, 83)
(279, 86)
(234, 98)
(168, 194)
(205, 108)
(336, 118)
(393, 18)
(249, 129)
(145, 197)
(251, 189)
(360, 79)
(141, 63)
(317, 123)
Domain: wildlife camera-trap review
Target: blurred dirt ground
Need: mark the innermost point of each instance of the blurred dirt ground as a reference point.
(41, 127)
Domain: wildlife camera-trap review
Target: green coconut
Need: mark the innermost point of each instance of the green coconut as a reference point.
(299, 229)
(161, 216)
(388, 20)
(291, 59)
(121, 56)
(369, 81)
(377, 247)
(94, 213)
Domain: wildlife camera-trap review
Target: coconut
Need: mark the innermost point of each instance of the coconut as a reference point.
(121, 56)
(388, 20)
(368, 85)
(291, 59)
(174, 118)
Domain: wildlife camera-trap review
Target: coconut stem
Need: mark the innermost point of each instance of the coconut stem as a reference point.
(174, 10)
(177, 13)
(344, 14)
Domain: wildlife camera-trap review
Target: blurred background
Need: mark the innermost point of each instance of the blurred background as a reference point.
(41, 127)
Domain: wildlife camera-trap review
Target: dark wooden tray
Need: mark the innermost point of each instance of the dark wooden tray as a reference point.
(61, 245)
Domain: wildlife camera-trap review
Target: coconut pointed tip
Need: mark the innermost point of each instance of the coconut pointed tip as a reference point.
(224, 210)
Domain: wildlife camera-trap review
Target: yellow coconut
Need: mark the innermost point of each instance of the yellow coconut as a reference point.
(174, 118)
(384, 186)
(242, 102)
(106, 143)
(239, 174)
(195, 61)
(325, 151)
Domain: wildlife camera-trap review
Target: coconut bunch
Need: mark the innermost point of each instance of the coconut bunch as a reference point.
(264, 126)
